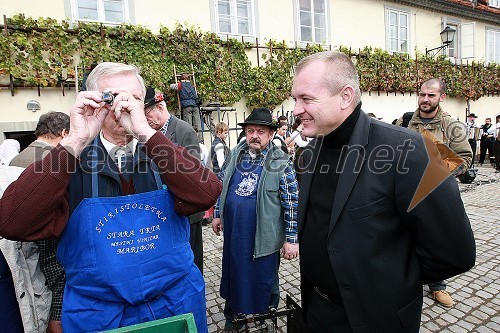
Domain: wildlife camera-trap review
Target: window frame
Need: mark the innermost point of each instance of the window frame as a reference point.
(494, 3)
(496, 51)
(101, 12)
(312, 27)
(399, 11)
(234, 18)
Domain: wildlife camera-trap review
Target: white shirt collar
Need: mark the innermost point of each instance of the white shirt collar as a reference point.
(112, 147)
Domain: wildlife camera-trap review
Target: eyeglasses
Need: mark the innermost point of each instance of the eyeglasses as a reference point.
(149, 111)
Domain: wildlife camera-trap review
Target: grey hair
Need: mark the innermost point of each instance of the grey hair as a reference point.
(105, 69)
(340, 71)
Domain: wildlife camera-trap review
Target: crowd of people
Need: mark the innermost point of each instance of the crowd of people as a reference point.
(108, 206)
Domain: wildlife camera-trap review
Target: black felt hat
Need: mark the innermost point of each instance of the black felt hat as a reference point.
(260, 116)
(152, 97)
(472, 115)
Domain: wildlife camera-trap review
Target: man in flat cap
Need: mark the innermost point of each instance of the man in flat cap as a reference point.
(257, 211)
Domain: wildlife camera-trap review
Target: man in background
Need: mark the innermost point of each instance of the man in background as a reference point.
(52, 127)
(257, 213)
(188, 98)
(183, 134)
(430, 117)
(472, 134)
(487, 139)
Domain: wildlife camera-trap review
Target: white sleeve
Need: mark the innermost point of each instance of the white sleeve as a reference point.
(219, 154)
(203, 154)
(298, 139)
(277, 142)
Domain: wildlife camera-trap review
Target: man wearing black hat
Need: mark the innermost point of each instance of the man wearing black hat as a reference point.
(257, 211)
(472, 134)
(182, 134)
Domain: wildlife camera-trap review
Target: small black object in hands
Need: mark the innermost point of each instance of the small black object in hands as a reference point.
(108, 97)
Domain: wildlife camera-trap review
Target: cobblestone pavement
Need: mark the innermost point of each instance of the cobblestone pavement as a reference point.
(476, 292)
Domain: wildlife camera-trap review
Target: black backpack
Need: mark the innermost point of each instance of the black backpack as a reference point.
(406, 119)
(465, 178)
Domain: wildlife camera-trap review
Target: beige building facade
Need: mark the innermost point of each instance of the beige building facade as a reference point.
(395, 26)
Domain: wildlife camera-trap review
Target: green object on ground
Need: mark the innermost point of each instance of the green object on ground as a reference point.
(177, 324)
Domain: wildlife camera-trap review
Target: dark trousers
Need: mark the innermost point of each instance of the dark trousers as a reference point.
(496, 150)
(196, 242)
(10, 316)
(324, 316)
(436, 286)
(473, 145)
(486, 145)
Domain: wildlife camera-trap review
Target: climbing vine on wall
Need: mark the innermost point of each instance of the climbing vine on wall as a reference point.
(44, 52)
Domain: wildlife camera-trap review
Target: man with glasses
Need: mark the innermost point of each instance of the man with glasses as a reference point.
(182, 134)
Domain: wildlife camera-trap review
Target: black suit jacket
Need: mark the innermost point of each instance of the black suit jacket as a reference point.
(382, 253)
(183, 134)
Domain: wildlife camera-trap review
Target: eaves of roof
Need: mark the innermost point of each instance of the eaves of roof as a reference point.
(461, 8)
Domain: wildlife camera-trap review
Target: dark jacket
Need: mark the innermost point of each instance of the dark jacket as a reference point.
(187, 94)
(183, 134)
(80, 187)
(381, 253)
(213, 155)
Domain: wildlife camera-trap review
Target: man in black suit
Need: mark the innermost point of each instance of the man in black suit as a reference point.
(182, 134)
(386, 226)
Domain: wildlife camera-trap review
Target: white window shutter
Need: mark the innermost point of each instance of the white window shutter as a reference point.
(467, 40)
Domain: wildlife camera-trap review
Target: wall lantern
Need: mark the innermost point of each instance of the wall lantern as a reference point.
(33, 105)
(447, 36)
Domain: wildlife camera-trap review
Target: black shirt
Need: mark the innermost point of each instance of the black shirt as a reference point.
(315, 261)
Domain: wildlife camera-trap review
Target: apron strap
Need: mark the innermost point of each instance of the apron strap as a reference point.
(94, 173)
(159, 183)
(93, 163)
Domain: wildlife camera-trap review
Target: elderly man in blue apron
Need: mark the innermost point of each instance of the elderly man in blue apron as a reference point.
(117, 192)
(257, 210)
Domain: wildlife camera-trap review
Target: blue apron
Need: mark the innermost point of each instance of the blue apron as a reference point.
(246, 282)
(128, 260)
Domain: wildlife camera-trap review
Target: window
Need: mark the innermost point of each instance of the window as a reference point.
(452, 50)
(312, 21)
(235, 17)
(107, 11)
(397, 31)
(492, 46)
(495, 3)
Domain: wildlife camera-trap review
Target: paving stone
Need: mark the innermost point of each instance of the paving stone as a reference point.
(484, 329)
(494, 326)
(457, 329)
(466, 325)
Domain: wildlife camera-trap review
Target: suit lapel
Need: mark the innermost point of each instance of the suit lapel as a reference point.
(172, 124)
(353, 164)
(310, 155)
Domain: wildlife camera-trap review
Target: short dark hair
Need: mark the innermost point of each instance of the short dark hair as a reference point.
(430, 82)
(52, 122)
(296, 123)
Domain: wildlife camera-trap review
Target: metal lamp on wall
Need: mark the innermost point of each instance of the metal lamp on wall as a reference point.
(447, 36)
(33, 106)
